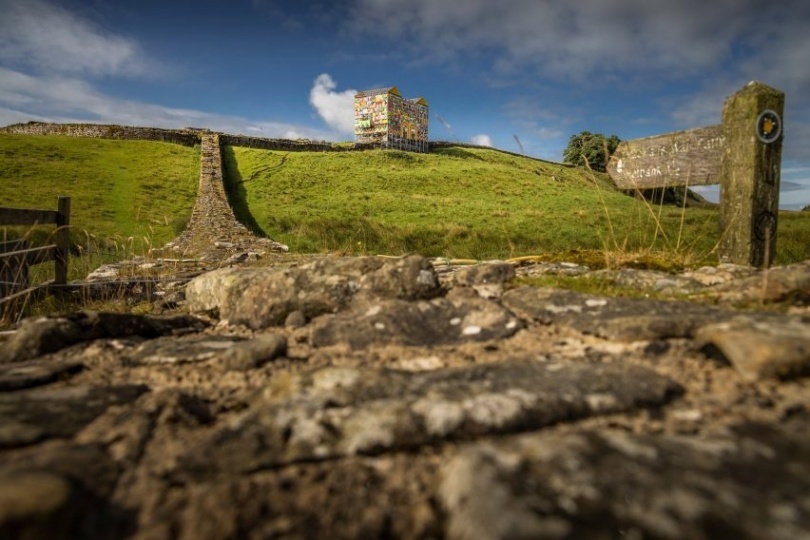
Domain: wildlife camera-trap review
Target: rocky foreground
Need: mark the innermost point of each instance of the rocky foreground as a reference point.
(371, 397)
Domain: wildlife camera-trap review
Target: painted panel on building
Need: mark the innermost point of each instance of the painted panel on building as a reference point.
(382, 116)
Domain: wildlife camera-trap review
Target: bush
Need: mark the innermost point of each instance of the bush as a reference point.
(593, 149)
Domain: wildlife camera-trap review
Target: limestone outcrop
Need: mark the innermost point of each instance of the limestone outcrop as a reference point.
(407, 398)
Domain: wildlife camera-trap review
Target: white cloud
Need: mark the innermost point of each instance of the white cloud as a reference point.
(50, 55)
(46, 37)
(697, 52)
(65, 99)
(481, 140)
(336, 108)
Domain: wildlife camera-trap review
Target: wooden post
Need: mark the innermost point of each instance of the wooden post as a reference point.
(751, 162)
(62, 240)
(682, 158)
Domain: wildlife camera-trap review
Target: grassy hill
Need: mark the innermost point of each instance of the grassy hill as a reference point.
(455, 202)
(467, 203)
(133, 193)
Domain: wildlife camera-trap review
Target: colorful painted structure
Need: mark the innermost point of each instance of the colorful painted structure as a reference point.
(383, 117)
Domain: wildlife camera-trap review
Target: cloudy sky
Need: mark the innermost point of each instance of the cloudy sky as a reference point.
(535, 70)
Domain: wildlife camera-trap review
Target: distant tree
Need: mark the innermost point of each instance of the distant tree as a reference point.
(593, 148)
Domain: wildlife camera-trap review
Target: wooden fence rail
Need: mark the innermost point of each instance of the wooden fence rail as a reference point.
(16, 256)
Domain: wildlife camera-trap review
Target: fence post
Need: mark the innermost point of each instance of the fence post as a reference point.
(749, 189)
(62, 240)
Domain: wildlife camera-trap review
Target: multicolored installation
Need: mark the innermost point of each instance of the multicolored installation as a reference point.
(383, 117)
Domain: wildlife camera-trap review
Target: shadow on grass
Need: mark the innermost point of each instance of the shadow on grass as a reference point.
(235, 190)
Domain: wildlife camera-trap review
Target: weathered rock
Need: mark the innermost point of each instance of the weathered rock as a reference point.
(264, 297)
(752, 484)
(772, 348)
(254, 353)
(359, 497)
(343, 411)
(244, 256)
(440, 321)
(19, 375)
(42, 335)
(39, 336)
(230, 352)
(566, 269)
(14, 433)
(219, 290)
(486, 279)
(126, 431)
(623, 319)
(710, 276)
(295, 319)
(61, 491)
(648, 280)
(32, 505)
(27, 416)
(786, 283)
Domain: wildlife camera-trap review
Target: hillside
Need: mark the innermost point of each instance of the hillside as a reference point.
(455, 202)
(312, 396)
(142, 190)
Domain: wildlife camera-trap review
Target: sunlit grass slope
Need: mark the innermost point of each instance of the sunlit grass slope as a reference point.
(455, 202)
(138, 193)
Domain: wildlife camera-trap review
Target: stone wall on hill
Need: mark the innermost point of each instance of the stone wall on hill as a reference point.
(186, 137)
(213, 226)
(192, 136)
(301, 145)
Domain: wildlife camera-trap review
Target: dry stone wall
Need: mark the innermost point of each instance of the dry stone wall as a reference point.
(278, 144)
(192, 136)
(213, 230)
(186, 137)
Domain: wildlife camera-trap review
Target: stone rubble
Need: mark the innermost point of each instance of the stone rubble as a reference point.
(378, 397)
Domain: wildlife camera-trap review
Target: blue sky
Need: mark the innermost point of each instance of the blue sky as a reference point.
(538, 70)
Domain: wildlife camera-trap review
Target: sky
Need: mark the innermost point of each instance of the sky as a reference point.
(506, 74)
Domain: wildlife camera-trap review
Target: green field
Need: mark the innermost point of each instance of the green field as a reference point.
(467, 203)
(455, 202)
(134, 193)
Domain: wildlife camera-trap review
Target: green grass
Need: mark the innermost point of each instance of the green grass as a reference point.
(793, 239)
(129, 195)
(455, 202)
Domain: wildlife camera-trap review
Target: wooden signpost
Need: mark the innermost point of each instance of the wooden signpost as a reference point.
(743, 155)
(674, 159)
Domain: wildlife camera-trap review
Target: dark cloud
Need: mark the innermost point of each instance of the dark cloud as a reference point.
(570, 39)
